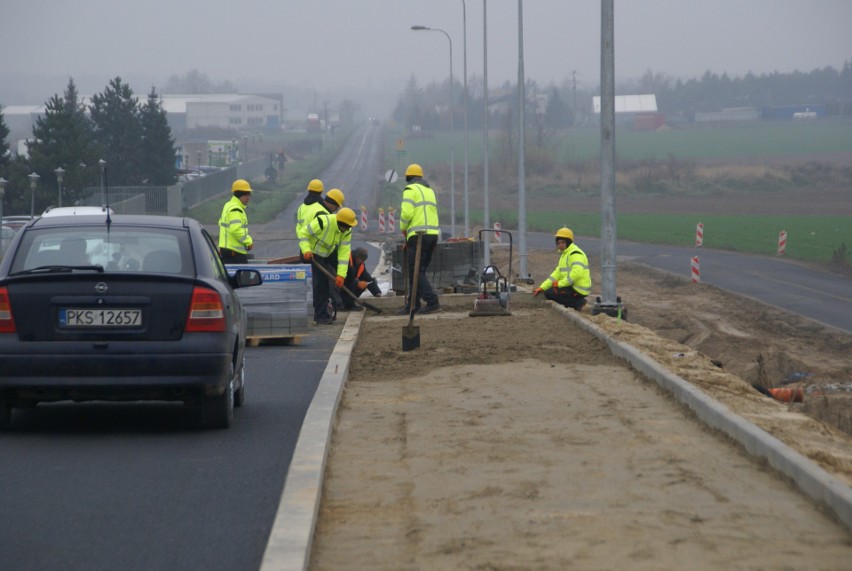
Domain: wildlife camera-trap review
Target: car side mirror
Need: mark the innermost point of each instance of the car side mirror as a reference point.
(246, 278)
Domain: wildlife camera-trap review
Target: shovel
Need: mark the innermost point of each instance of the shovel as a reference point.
(410, 333)
(358, 301)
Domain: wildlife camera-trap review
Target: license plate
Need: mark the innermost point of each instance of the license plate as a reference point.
(71, 317)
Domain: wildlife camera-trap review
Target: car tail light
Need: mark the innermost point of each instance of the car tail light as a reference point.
(206, 312)
(7, 320)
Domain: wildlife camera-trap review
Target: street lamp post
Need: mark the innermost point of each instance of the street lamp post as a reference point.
(486, 215)
(3, 183)
(466, 199)
(452, 131)
(33, 183)
(102, 164)
(59, 172)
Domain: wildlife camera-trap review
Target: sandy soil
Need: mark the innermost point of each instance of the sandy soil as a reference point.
(519, 442)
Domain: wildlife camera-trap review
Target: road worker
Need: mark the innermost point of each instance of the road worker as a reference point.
(332, 201)
(571, 281)
(318, 240)
(419, 212)
(358, 280)
(234, 239)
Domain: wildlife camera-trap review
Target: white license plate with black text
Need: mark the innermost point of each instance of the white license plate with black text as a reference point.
(116, 317)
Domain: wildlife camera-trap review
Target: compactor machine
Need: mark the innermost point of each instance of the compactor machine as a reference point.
(494, 288)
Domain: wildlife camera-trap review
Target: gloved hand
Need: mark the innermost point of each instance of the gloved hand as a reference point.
(338, 281)
(537, 291)
(555, 283)
(362, 284)
(250, 246)
(307, 256)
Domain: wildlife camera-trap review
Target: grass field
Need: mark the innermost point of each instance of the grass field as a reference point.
(818, 238)
(736, 142)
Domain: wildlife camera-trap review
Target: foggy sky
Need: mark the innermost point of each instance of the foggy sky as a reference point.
(335, 46)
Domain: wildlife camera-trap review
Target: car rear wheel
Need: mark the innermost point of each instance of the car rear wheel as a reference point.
(218, 411)
(240, 393)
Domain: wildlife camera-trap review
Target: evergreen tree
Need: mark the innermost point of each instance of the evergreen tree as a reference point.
(63, 137)
(118, 130)
(557, 114)
(157, 153)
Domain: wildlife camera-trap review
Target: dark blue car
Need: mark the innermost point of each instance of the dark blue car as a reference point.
(121, 308)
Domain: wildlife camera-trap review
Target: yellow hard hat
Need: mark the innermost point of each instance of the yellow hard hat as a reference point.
(316, 185)
(336, 195)
(241, 184)
(565, 233)
(347, 216)
(414, 170)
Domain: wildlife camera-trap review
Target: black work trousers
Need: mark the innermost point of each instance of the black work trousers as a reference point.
(232, 257)
(321, 288)
(424, 288)
(566, 296)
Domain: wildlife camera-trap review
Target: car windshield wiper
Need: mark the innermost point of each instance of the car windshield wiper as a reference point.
(54, 269)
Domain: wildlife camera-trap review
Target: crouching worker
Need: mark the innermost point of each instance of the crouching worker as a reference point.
(571, 281)
(318, 240)
(358, 280)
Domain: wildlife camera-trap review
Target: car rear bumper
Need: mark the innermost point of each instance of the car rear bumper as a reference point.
(116, 366)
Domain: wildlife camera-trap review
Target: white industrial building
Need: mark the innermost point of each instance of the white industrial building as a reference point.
(224, 111)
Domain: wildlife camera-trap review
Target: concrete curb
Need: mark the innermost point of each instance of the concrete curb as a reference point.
(289, 546)
(809, 477)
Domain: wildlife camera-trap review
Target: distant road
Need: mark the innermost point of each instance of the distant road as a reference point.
(356, 171)
(823, 296)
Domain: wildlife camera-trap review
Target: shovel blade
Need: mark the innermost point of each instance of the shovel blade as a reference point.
(410, 337)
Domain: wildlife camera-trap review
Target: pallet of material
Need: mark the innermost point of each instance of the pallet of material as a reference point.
(278, 308)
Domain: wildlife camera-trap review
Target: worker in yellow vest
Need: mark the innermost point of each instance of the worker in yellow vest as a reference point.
(319, 240)
(571, 280)
(234, 239)
(419, 213)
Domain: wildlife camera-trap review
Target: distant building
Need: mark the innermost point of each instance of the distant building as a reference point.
(728, 114)
(224, 111)
(628, 106)
(804, 111)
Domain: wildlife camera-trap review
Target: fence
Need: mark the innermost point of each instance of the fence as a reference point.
(175, 199)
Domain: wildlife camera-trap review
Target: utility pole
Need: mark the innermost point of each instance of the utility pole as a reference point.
(574, 109)
(610, 303)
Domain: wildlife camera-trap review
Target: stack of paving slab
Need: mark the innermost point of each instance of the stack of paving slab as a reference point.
(279, 307)
(455, 266)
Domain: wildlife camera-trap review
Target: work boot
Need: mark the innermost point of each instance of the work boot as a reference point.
(431, 308)
(324, 321)
(405, 311)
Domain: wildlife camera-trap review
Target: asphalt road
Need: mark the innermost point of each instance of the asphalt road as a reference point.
(820, 295)
(139, 486)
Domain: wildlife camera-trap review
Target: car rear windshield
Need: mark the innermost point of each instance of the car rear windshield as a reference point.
(119, 249)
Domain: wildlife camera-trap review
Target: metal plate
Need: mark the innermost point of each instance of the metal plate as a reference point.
(101, 317)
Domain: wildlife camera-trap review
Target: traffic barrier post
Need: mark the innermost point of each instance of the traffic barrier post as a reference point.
(696, 270)
(782, 242)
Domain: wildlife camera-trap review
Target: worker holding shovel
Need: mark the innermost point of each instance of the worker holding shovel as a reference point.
(318, 241)
(418, 220)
